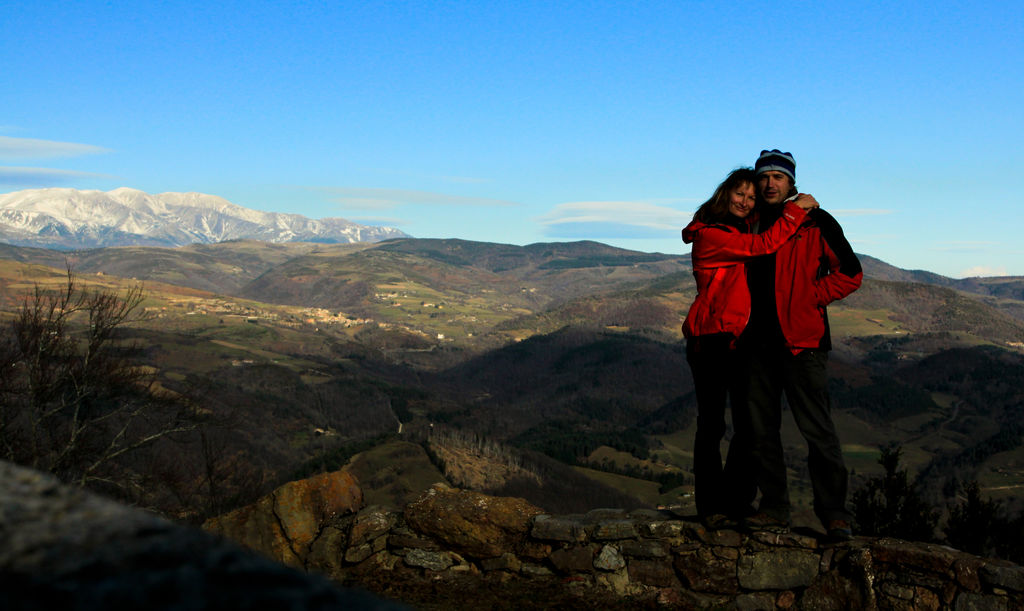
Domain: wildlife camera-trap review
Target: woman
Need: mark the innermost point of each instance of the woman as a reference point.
(722, 241)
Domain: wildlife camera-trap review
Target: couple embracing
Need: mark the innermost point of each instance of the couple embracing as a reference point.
(767, 261)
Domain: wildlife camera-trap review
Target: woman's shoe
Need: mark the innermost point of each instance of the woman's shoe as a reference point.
(840, 531)
(764, 522)
(718, 521)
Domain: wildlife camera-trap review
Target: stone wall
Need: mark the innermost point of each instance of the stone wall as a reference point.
(647, 557)
(451, 549)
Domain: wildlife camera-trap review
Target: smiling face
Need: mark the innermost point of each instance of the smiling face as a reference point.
(741, 200)
(774, 187)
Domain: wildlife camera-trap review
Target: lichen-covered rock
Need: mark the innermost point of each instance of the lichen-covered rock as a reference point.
(574, 559)
(790, 539)
(504, 562)
(355, 555)
(550, 528)
(658, 573)
(833, 592)
(535, 570)
(473, 523)
(720, 537)
(435, 561)
(617, 582)
(785, 599)
(328, 551)
(284, 524)
(534, 550)
(966, 571)
(1001, 574)
(969, 601)
(609, 559)
(402, 537)
(669, 529)
(704, 570)
(777, 569)
(370, 523)
(900, 596)
(645, 548)
(755, 601)
(934, 559)
(610, 530)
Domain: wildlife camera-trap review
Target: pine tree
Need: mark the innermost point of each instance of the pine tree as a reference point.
(892, 506)
(976, 525)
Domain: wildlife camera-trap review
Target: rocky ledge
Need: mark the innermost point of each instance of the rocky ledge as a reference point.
(451, 540)
(62, 548)
(449, 549)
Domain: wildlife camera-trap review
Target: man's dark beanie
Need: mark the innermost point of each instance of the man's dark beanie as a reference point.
(776, 161)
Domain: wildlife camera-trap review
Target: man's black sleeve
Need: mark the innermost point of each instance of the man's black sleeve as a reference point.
(832, 233)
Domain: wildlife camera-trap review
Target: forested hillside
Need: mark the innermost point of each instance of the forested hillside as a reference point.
(301, 357)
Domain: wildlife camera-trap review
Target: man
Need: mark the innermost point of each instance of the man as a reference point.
(788, 339)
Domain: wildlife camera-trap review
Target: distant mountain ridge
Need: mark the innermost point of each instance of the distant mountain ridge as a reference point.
(70, 219)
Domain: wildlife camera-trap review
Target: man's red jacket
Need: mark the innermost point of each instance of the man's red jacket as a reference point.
(815, 267)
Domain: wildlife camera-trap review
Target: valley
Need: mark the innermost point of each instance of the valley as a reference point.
(555, 372)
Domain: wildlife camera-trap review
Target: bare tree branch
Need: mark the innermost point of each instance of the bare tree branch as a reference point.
(70, 401)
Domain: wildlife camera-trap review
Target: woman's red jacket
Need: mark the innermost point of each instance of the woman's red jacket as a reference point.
(719, 252)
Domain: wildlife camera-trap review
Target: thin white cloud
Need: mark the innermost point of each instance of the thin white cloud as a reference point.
(983, 271)
(41, 177)
(377, 220)
(366, 203)
(359, 198)
(629, 213)
(859, 212)
(31, 148)
(618, 219)
(676, 200)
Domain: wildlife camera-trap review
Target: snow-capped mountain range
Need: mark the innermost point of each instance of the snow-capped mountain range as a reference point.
(73, 219)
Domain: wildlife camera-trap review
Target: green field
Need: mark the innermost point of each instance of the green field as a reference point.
(646, 491)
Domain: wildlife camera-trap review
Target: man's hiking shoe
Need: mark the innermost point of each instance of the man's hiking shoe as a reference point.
(718, 521)
(840, 531)
(764, 522)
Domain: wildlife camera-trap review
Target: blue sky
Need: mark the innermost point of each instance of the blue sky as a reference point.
(536, 121)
